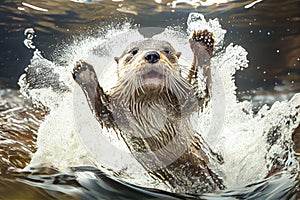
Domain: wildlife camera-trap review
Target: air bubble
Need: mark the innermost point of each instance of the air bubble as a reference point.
(29, 34)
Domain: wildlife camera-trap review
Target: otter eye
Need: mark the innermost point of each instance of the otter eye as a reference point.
(167, 51)
(134, 51)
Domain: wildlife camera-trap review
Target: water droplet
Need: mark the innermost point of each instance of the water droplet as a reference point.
(264, 72)
(277, 51)
(289, 73)
(268, 33)
(251, 31)
(21, 8)
(259, 31)
(29, 35)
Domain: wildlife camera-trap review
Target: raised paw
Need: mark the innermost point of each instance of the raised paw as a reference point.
(205, 38)
(79, 67)
(84, 72)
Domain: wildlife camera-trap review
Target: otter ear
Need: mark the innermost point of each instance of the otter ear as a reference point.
(117, 59)
(178, 54)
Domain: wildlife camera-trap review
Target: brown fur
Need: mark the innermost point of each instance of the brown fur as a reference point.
(151, 105)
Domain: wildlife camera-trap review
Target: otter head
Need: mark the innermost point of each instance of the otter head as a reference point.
(150, 68)
(149, 62)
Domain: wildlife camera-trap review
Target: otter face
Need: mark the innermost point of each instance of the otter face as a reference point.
(149, 61)
(149, 70)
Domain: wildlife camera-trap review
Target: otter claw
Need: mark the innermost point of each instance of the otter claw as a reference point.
(77, 69)
(83, 72)
(205, 37)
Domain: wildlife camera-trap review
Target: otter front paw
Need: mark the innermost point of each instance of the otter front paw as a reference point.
(205, 38)
(83, 72)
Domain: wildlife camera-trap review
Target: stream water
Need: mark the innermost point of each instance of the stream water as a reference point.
(76, 158)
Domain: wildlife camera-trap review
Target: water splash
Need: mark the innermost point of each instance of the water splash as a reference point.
(32, 7)
(252, 145)
(196, 3)
(252, 4)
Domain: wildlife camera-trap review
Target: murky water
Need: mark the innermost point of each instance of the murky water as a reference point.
(71, 30)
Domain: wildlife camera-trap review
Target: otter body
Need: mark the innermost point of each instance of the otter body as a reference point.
(151, 105)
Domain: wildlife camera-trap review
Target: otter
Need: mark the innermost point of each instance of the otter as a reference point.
(150, 107)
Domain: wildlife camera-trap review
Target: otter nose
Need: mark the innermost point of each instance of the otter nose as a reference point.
(152, 56)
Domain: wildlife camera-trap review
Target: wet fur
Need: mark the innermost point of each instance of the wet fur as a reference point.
(153, 119)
